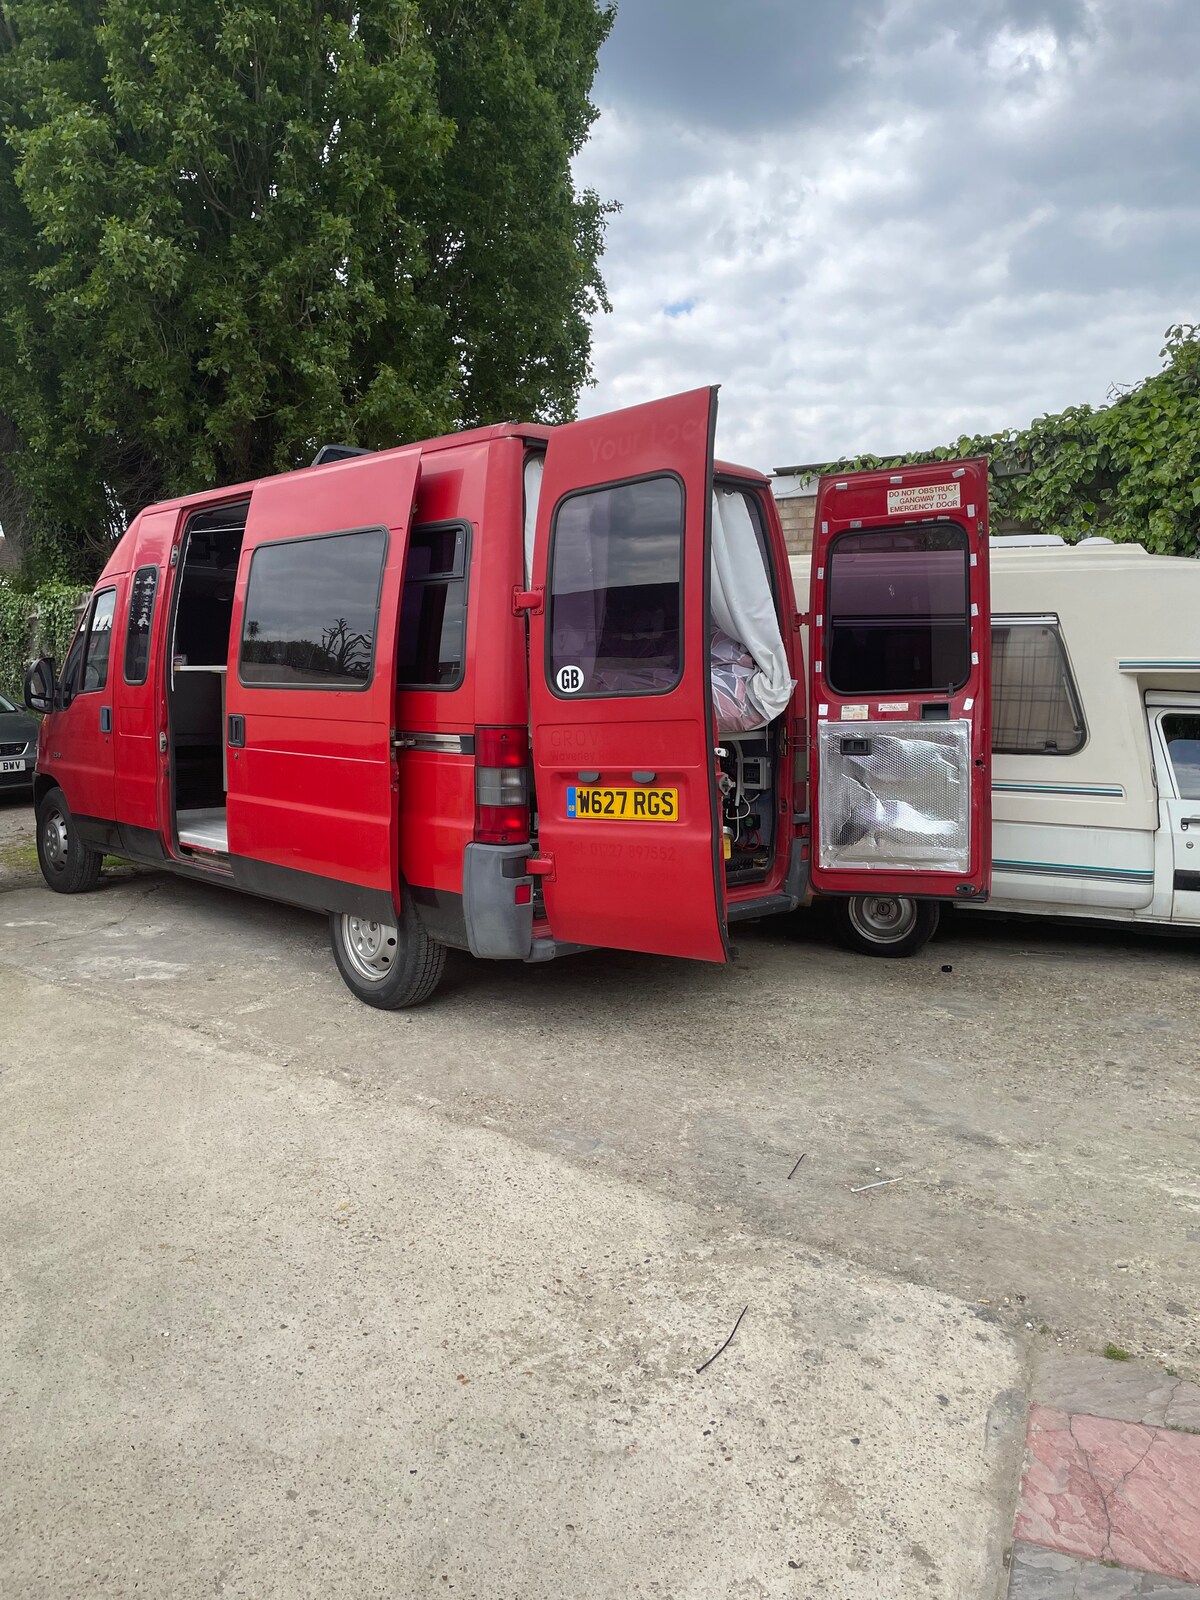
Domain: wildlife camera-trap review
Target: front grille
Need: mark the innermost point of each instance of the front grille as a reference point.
(13, 749)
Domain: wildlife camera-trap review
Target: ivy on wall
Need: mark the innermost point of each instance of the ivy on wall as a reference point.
(33, 622)
(1130, 469)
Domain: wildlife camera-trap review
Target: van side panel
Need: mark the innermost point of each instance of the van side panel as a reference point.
(479, 484)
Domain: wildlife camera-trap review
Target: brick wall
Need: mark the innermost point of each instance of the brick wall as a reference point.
(796, 516)
(796, 499)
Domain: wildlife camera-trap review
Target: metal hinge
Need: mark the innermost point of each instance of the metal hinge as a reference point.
(540, 867)
(175, 556)
(528, 600)
(162, 744)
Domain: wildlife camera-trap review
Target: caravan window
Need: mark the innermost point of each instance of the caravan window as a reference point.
(899, 611)
(1182, 733)
(1035, 705)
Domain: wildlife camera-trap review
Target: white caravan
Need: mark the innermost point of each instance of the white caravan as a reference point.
(1095, 742)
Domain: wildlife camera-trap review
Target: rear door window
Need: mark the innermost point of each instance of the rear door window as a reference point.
(899, 611)
(615, 588)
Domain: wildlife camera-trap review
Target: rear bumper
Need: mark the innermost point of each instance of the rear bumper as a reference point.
(498, 928)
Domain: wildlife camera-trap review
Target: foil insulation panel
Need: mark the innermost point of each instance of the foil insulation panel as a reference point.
(895, 795)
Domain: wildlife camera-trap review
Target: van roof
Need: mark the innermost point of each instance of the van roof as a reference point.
(532, 432)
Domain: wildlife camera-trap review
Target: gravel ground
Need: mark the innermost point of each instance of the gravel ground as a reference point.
(187, 1076)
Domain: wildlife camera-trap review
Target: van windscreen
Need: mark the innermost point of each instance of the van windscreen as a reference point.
(899, 611)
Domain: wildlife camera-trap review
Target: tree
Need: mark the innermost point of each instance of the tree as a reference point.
(230, 232)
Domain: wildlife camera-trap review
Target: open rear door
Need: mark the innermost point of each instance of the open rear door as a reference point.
(620, 697)
(312, 811)
(900, 683)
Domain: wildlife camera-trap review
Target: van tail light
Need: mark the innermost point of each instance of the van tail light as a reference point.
(501, 785)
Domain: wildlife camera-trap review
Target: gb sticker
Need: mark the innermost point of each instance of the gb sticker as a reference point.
(569, 680)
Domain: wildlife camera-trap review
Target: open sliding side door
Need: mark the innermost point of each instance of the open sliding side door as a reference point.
(620, 697)
(311, 686)
(900, 683)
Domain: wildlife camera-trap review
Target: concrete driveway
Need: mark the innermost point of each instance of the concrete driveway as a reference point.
(302, 1298)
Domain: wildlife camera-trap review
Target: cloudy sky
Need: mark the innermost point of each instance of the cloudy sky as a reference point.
(879, 224)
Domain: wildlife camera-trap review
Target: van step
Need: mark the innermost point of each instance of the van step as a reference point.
(204, 830)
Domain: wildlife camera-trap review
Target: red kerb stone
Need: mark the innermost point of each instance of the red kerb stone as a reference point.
(1112, 1491)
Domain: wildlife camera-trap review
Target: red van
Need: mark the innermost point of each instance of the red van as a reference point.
(523, 690)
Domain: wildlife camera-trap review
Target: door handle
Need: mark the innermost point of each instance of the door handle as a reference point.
(105, 719)
(1189, 822)
(237, 732)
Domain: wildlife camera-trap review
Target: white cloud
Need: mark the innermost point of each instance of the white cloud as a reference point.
(963, 228)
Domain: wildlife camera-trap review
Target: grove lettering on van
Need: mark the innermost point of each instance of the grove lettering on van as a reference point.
(342, 688)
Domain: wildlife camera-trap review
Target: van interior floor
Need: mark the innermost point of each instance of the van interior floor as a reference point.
(204, 829)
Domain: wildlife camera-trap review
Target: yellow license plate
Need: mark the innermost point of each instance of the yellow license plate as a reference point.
(623, 805)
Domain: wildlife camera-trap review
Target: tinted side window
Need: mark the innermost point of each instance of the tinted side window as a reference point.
(142, 593)
(433, 608)
(1182, 733)
(312, 610)
(615, 580)
(99, 642)
(899, 614)
(1035, 706)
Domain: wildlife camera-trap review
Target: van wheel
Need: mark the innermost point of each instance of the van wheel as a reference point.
(885, 924)
(386, 965)
(68, 865)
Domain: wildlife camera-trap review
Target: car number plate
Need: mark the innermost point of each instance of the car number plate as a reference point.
(12, 766)
(623, 805)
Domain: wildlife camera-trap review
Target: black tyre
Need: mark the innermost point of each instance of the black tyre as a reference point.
(384, 965)
(68, 865)
(890, 925)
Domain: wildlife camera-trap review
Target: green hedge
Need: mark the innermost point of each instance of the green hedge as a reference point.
(33, 622)
(1130, 469)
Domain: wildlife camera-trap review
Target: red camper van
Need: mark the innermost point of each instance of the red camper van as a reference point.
(523, 690)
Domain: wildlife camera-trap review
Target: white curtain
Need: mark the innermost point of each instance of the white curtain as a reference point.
(742, 603)
(533, 493)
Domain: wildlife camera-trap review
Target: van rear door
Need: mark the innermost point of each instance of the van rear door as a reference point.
(620, 698)
(900, 683)
(310, 688)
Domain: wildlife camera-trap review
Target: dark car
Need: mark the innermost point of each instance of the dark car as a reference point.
(18, 747)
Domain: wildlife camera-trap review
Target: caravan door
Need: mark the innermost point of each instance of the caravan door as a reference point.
(619, 687)
(900, 683)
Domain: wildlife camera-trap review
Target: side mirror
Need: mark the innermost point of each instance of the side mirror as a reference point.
(40, 684)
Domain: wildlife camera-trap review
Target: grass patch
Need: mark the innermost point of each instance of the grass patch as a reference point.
(1114, 1352)
(23, 854)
